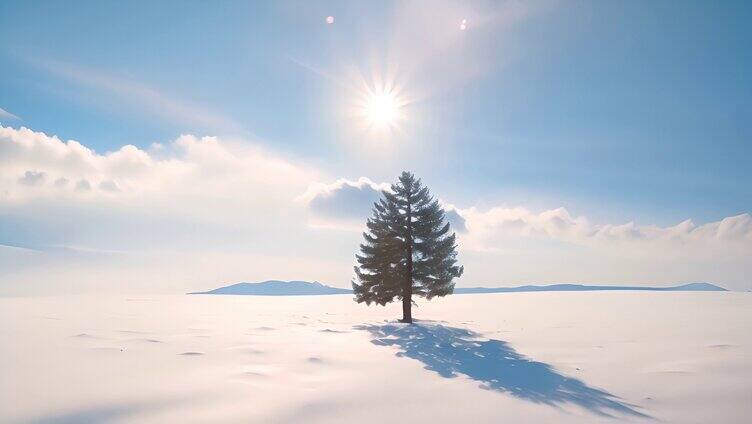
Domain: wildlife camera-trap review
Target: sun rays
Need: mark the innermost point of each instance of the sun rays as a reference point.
(381, 107)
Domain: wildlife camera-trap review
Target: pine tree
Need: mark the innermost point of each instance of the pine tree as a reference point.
(408, 250)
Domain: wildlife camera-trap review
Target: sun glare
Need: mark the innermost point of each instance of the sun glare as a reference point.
(382, 109)
(380, 106)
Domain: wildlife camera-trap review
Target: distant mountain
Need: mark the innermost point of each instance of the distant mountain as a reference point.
(278, 288)
(581, 287)
(305, 288)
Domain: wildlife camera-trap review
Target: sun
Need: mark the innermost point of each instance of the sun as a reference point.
(379, 107)
(382, 109)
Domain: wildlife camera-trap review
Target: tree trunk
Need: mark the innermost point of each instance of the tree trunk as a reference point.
(407, 304)
(407, 291)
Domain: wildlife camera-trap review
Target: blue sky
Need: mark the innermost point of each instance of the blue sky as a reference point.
(621, 111)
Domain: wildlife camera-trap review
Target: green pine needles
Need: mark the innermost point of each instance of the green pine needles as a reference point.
(408, 250)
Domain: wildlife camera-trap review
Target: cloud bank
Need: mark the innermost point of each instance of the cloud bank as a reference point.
(194, 196)
(496, 224)
(190, 194)
(198, 210)
(351, 201)
(515, 245)
(36, 166)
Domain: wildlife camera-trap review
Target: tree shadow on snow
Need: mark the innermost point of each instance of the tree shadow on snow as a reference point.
(451, 351)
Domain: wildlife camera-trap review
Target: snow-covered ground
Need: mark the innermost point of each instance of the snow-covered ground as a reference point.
(523, 357)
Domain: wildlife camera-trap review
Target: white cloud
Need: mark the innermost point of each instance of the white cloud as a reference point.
(515, 245)
(456, 221)
(347, 203)
(187, 165)
(31, 178)
(83, 185)
(197, 198)
(193, 198)
(199, 182)
(492, 227)
(109, 185)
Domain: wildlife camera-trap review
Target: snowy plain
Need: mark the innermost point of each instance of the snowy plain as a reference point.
(583, 357)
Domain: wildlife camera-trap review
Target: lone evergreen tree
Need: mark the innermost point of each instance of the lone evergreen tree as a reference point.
(408, 249)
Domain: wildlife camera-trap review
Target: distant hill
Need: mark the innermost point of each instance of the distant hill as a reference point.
(278, 288)
(305, 288)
